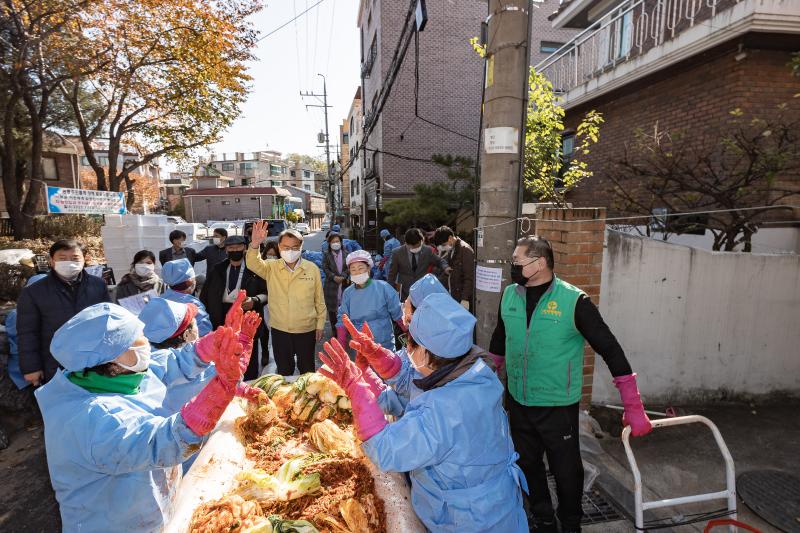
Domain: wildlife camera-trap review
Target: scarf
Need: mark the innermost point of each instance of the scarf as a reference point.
(143, 284)
(97, 383)
(453, 371)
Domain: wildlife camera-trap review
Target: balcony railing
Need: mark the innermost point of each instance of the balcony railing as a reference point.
(623, 34)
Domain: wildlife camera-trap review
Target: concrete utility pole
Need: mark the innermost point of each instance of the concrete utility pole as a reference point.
(504, 103)
(325, 107)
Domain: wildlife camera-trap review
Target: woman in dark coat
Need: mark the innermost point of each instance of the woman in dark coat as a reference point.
(336, 276)
(141, 278)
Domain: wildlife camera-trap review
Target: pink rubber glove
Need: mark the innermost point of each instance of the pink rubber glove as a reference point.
(376, 384)
(251, 394)
(385, 362)
(368, 418)
(235, 314)
(499, 362)
(634, 414)
(205, 347)
(249, 327)
(341, 335)
(202, 412)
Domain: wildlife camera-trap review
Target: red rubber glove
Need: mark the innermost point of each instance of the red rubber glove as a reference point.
(202, 412)
(251, 394)
(385, 362)
(341, 335)
(368, 418)
(249, 328)
(376, 384)
(206, 347)
(634, 414)
(499, 362)
(235, 314)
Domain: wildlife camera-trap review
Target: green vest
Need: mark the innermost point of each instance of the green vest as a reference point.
(544, 359)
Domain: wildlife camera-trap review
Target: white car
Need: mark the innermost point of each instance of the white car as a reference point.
(230, 227)
(303, 228)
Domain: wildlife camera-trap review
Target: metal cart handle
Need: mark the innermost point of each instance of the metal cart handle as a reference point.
(730, 474)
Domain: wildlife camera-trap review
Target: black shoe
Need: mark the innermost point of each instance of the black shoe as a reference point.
(542, 525)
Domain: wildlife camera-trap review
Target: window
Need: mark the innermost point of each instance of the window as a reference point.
(274, 170)
(567, 153)
(549, 47)
(226, 202)
(227, 167)
(102, 160)
(247, 165)
(306, 174)
(49, 169)
(351, 124)
(254, 198)
(85, 161)
(345, 138)
(293, 174)
(208, 200)
(307, 187)
(245, 182)
(658, 222)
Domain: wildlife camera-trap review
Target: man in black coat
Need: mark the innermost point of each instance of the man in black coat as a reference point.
(47, 305)
(177, 250)
(222, 286)
(214, 253)
(412, 261)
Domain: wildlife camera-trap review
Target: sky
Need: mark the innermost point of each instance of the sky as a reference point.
(323, 41)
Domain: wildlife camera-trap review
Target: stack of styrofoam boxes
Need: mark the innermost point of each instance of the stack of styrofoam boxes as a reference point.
(124, 235)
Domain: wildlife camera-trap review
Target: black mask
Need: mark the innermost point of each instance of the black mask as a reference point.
(517, 276)
(236, 256)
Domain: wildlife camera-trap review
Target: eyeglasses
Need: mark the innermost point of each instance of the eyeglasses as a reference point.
(402, 340)
(515, 263)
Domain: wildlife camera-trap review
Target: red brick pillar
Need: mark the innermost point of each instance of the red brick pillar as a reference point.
(577, 237)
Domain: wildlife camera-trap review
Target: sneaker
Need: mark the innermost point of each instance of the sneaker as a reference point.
(542, 525)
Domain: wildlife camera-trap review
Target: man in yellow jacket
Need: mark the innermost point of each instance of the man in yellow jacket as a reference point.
(296, 302)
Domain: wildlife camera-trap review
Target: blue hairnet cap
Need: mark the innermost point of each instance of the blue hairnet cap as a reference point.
(33, 279)
(336, 228)
(442, 326)
(424, 287)
(163, 318)
(384, 233)
(96, 335)
(178, 271)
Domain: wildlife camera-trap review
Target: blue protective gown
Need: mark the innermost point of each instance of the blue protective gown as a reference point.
(388, 247)
(115, 459)
(378, 304)
(185, 373)
(13, 351)
(203, 321)
(455, 442)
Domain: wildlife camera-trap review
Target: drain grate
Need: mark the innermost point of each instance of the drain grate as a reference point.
(596, 508)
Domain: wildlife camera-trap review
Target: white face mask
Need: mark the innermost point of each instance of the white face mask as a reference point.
(336, 246)
(444, 248)
(359, 279)
(68, 269)
(271, 258)
(218, 240)
(142, 359)
(290, 256)
(419, 367)
(416, 250)
(144, 270)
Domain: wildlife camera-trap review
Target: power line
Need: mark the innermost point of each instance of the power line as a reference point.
(290, 21)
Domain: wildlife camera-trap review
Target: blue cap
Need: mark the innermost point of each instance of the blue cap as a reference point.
(336, 228)
(163, 318)
(384, 233)
(178, 271)
(442, 326)
(98, 334)
(33, 279)
(424, 287)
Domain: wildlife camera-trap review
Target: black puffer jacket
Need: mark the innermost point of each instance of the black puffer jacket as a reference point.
(44, 307)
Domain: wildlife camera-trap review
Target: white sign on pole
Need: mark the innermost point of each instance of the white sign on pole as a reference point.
(488, 279)
(501, 140)
(479, 235)
(83, 201)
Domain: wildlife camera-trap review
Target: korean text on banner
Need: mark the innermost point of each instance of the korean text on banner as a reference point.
(86, 202)
(488, 279)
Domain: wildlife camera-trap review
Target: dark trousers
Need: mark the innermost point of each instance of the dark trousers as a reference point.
(333, 317)
(553, 431)
(286, 346)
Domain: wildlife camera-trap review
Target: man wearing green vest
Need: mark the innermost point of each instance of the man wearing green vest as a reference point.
(542, 325)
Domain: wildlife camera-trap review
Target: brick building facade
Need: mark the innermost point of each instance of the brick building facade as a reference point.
(688, 82)
(234, 203)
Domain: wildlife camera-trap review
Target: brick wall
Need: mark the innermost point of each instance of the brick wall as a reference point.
(695, 96)
(542, 30)
(576, 236)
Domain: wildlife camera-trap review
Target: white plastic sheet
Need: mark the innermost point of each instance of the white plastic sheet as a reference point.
(223, 456)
